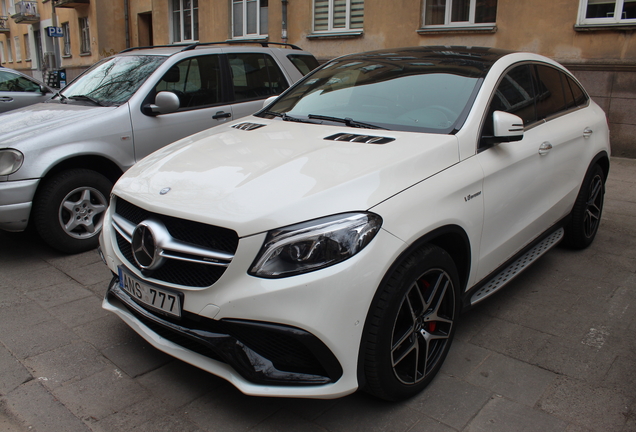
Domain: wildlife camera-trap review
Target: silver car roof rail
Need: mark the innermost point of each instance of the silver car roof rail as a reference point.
(187, 47)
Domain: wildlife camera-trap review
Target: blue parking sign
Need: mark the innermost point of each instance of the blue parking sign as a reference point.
(55, 31)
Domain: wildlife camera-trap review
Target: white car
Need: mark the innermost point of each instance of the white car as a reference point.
(329, 242)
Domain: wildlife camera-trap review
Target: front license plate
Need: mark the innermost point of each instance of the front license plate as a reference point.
(157, 298)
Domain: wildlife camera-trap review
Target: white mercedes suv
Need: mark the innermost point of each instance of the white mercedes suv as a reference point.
(330, 242)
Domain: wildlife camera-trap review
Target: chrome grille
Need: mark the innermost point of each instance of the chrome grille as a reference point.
(199, 253)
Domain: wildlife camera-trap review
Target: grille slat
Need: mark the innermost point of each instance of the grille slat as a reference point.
(246, 126)
(367, 139)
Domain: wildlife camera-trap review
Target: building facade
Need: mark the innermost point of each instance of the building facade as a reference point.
(594, 38)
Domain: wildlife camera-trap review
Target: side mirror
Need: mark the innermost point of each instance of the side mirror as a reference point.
(44, 90)
(269, 100)
(165, 103)
(507, 127)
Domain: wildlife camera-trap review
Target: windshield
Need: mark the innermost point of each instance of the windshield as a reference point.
(112, 81)
(405, 94)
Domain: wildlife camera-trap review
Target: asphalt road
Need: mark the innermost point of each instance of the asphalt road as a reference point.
(554, 351)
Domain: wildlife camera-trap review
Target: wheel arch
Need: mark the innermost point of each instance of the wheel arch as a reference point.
(454, 240)
(602, 159)
(100, 164)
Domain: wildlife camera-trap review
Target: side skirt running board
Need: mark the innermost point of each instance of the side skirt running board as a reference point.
(510, 272)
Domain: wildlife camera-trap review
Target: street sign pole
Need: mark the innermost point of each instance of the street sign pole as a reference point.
(56, 44)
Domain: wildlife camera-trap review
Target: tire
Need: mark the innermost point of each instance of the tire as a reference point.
(587, 210)
(69, 209)
(415, 310)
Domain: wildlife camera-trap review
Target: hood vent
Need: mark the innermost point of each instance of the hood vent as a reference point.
(368, 139)
(247, 126)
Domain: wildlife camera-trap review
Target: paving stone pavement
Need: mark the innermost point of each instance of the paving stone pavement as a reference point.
(554, 351)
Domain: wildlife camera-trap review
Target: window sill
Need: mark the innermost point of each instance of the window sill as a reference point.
(67, 56)
(459, 29)
(335, 35)
(604, 27)
(85, 54)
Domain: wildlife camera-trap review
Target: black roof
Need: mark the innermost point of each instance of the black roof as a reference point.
(475, 61)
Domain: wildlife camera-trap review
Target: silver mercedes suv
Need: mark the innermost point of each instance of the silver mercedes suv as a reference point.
(59, 159)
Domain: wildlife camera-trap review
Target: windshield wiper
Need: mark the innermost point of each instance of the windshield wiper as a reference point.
(286, 117)
(86, 98)
(347, 121)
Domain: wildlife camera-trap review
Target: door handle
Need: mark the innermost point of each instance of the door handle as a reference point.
(587, 132)
(545, 148)
(6, 99)
(221, 114)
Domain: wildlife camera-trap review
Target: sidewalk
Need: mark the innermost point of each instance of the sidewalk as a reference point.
(554, 351)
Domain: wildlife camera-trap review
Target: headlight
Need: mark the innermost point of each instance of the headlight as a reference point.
(314, 245)
(10, 161)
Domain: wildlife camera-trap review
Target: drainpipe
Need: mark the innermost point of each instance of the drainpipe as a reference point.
(126, 19)
(284, 32)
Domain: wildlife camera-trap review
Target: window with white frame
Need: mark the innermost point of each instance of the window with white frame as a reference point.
(18, 51)
(459, 13)
(1, 52)
(338, 15)
(185, 20)
(85, 36)
(27, 48)
(66, 29)
(9, 51)
(607, 12)
(249, 18)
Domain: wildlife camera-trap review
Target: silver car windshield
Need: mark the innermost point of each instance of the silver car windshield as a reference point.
(112, 81)
(407, 95)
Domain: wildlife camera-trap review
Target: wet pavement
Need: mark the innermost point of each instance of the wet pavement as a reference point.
(554, 351)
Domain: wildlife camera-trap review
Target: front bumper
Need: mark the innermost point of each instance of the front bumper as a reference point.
(321, 313)
(15, 203)
(262, 353)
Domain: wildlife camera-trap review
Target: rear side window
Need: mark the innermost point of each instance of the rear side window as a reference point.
(304, 63)
(255, 76)
(196, 80)
(579, 96)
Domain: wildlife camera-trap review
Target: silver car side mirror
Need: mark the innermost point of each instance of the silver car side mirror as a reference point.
(507, 126)
(166, 102)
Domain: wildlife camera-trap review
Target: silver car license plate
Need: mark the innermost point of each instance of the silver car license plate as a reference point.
(154, 297)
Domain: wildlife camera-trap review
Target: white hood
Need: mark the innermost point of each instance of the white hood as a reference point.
(280, 174)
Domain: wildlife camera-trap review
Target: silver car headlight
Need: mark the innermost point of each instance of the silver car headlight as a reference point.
(315, 244)
(10, 161)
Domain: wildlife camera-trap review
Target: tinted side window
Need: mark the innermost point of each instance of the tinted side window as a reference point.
(255, 76)
(514, 94)
(197, 81)
(580, 98)
(550, 95)
(16, 83)
(304, 63)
